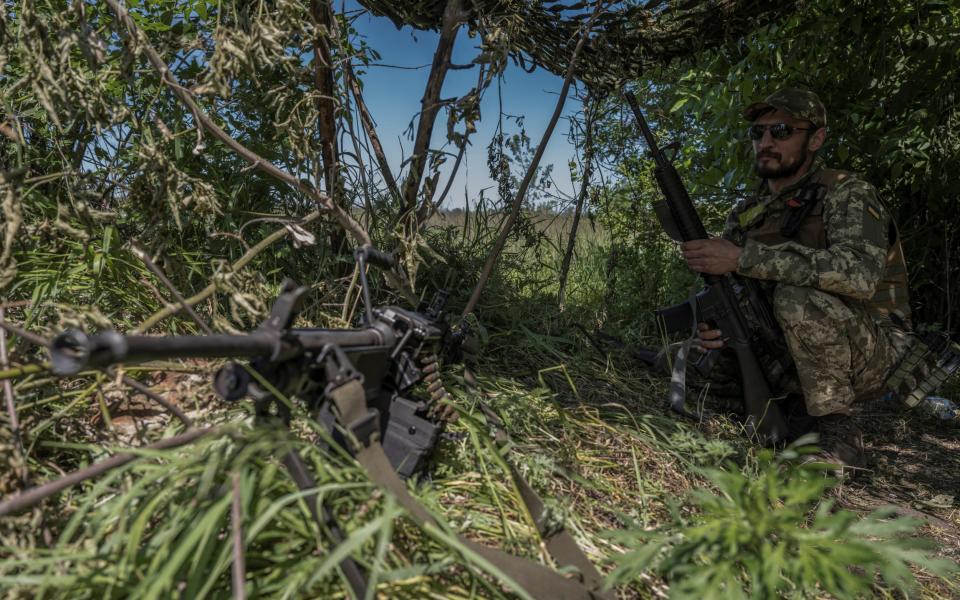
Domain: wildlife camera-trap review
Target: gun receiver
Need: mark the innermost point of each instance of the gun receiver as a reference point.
(733, 304)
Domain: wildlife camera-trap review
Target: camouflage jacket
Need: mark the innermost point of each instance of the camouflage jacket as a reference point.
(852, 259)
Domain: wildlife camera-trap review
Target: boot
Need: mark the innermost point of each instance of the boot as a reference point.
(841, 445)
(799, 421)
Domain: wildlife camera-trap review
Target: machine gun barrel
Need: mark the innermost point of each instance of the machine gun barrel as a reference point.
(396, 350)
(73, 351)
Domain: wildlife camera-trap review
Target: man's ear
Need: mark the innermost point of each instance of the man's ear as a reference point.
(817, 139)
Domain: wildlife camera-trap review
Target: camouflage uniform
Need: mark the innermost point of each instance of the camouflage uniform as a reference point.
(835, 284)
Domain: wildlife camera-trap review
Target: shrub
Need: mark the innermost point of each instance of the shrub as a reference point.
(774, 534)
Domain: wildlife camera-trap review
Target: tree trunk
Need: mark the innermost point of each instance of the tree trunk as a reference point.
(581, 197)
(430, 105)
(326, 110)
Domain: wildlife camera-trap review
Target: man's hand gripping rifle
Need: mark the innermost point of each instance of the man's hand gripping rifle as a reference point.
(730, 303)
(394, 351)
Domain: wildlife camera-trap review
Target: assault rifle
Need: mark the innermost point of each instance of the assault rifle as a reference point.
(735, 305)
(358, 383)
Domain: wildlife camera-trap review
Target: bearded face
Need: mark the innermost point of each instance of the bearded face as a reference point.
(778, 165)
(785, 157)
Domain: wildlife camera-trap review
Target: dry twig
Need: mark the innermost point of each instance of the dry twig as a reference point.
(531, 171)
(35, 495)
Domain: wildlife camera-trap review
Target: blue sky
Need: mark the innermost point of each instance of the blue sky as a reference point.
(393, 97)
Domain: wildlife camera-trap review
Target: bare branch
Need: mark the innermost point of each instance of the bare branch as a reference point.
(342, 216)
(587, 172)
(33, 338)
(428, 207)
(430, 103)
(35, 495)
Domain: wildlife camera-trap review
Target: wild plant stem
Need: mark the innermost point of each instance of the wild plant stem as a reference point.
(239, 570)
(19, 454)
(528, 177)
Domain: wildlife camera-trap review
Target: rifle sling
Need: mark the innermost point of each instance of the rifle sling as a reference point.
(560, 544)
(535, 579)
(304, 479)
(678, 378)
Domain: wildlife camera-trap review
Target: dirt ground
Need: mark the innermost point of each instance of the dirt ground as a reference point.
(914, 464)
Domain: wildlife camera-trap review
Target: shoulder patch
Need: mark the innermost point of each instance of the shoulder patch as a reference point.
(874, 224)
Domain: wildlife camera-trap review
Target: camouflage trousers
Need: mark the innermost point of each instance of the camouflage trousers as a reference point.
(841, 353)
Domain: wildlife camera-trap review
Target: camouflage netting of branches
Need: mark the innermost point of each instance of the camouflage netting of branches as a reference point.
(629, 38)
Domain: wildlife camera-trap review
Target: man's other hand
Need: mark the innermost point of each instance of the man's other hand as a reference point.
(714, 256)
(708, 339)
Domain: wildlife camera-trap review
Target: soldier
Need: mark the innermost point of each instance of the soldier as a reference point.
(830, 256)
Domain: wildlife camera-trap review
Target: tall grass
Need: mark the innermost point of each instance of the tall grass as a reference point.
(588, 431)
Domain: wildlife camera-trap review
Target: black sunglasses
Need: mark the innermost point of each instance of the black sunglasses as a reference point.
(779, 131)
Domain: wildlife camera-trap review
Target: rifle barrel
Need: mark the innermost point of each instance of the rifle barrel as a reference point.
(655, 150)
(684, 216)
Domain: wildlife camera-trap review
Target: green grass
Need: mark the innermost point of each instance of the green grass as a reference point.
(589, 432)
